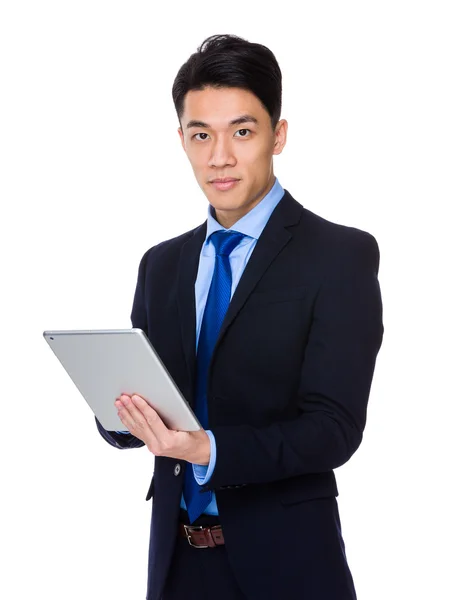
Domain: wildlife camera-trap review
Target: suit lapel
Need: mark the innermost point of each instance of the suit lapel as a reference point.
(272, 240)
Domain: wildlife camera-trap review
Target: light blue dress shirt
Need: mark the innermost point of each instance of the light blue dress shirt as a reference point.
(251, 225)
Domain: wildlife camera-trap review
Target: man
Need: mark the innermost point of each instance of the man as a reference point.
(269, 319)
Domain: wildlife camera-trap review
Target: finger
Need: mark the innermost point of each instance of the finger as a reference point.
(119, 401)
(126, 419)
(121, 409)
(135, 413)
(151, 416)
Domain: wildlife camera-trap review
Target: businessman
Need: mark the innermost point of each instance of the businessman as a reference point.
(269, 319)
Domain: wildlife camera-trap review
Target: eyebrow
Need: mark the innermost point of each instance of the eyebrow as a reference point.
(237, 121)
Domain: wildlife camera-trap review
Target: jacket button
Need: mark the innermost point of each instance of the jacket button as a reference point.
(177, 470)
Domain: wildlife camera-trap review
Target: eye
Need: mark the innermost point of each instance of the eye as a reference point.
(249, 131)
(202, 133)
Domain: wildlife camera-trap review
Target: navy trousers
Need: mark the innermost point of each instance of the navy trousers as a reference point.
(205, 573)
(200, 573)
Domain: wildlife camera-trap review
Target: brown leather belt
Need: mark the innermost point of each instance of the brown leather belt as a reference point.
(200, 536)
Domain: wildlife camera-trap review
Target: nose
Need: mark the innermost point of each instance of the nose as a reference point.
(221, 153)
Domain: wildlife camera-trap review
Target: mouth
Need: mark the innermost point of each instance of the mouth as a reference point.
(224, 184)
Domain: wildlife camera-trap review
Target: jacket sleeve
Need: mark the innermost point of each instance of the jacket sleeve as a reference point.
(118, 440)
(138, 319)
(336, 374)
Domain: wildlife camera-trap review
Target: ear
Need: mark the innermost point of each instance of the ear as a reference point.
(181, 135)
(280, 136)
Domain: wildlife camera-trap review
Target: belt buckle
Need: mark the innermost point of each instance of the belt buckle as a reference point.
(195, 528)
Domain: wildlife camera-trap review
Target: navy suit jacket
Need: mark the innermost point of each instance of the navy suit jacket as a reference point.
(288, 389)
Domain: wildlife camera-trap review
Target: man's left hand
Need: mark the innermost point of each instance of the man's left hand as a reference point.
(144, 423)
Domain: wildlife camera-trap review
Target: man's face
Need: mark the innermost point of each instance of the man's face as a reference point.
(218, 149)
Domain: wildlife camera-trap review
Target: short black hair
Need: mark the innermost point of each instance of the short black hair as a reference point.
(225, 61)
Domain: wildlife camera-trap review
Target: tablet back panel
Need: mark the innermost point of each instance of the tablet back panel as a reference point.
(106, 363)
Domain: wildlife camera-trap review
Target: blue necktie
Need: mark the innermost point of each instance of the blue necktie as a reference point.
(214, 313)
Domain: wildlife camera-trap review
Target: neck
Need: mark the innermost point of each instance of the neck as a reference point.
(228, 218)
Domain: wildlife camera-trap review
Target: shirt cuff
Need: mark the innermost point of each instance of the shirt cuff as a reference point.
(203, 473)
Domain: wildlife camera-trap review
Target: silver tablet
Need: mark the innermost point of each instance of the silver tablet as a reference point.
(105, 363)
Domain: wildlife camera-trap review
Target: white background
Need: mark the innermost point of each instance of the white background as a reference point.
(93, 174)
